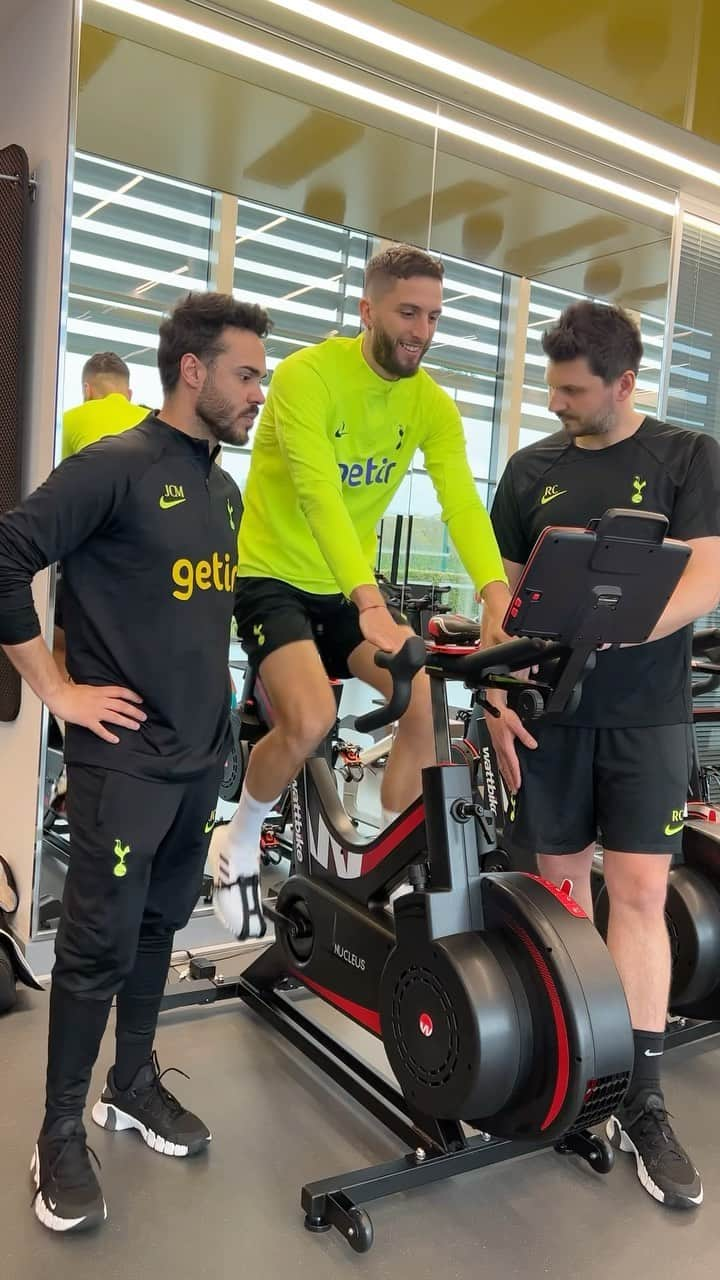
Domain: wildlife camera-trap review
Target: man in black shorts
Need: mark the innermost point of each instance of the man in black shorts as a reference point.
(145, 524)
(618, 766)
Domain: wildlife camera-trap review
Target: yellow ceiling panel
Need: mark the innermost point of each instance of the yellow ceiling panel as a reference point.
(641, 52)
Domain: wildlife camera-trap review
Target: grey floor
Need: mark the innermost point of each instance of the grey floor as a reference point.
(277, 1124)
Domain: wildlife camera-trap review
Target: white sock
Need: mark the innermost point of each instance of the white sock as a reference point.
(243, 834)
(388, 816)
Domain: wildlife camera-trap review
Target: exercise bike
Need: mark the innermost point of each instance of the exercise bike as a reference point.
(495, 1000)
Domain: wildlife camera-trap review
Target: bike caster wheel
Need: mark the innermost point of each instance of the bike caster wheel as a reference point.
(360, 1234)
(594, 1150)
(316, 1225)
(602, 1157)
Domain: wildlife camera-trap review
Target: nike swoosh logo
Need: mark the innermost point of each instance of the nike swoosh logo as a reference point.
(650, 1053)
(165, 503)
(209, 826)
(550, 497)
(671, 830)
(340, 432)
(52, 1204)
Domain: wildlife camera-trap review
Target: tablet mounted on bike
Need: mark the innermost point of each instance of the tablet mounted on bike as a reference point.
(604, 585)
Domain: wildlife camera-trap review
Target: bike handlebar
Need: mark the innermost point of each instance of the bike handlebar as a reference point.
(513, 655)
(403, 667)
(706, 677)
(705, 642)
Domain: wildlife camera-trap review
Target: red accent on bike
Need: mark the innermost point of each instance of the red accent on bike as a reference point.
(562, 1078)
(592, 1087)
(426, 1024)
(366, 1017)
(394, 836)
(562, 896)
(457, 649)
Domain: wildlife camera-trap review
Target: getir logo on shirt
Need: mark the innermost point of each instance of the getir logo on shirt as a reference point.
(218, 574)
(355, 474)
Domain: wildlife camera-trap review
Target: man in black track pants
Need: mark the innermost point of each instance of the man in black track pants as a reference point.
(145, 524)
(618, 766)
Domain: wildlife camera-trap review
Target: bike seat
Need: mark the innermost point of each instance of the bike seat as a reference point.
(453, 628)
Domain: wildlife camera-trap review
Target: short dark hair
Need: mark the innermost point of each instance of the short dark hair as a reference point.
(400, 262)
(606, 336)
(105, 364)
(195, 325)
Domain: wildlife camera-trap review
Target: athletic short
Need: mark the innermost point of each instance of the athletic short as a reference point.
(625, 788)
(271, 614)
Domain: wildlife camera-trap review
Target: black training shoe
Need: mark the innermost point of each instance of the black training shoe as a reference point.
(67, 1193)
(663, 1167)
(149, 1107)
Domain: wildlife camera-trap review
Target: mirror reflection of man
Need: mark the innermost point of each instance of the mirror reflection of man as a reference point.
(107, 407)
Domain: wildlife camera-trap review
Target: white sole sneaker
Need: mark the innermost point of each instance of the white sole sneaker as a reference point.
(112, 1118)
(45, 1209)
(620, 1139)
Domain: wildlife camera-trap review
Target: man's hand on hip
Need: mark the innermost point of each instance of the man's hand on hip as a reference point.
(94, 706)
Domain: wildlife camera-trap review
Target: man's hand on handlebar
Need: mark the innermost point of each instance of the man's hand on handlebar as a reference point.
(380, 628)
(506, 730)
(495, 599)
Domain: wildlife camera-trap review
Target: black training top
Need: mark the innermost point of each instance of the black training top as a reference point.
(145, 525)
(659, 468)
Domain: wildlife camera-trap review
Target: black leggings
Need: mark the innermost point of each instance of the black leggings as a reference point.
(137, 853)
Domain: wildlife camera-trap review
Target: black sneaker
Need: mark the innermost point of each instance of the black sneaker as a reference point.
(67, 1195)
(149, 1107)
(663, 1167)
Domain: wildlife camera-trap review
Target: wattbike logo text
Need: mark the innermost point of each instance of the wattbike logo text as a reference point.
(218, 574)
(356, 474)
(490, 785)
(344, 953)
(298, 837)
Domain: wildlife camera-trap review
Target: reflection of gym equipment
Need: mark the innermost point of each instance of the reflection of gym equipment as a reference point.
(692, 909)
(495, 1000)
(14, 967)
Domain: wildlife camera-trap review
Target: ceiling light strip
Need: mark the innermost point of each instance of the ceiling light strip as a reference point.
(102, 204)
(396, 106)
(473, 76)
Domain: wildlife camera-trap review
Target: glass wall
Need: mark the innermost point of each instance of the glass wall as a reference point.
(139, 241)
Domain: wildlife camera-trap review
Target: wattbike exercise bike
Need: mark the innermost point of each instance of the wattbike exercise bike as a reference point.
(493, 996)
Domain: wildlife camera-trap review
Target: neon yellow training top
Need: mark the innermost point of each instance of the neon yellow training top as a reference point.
(333, 445)
(94, 419)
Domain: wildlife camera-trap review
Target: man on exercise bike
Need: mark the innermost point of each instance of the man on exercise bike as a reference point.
(341, 426)
(619, 764)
